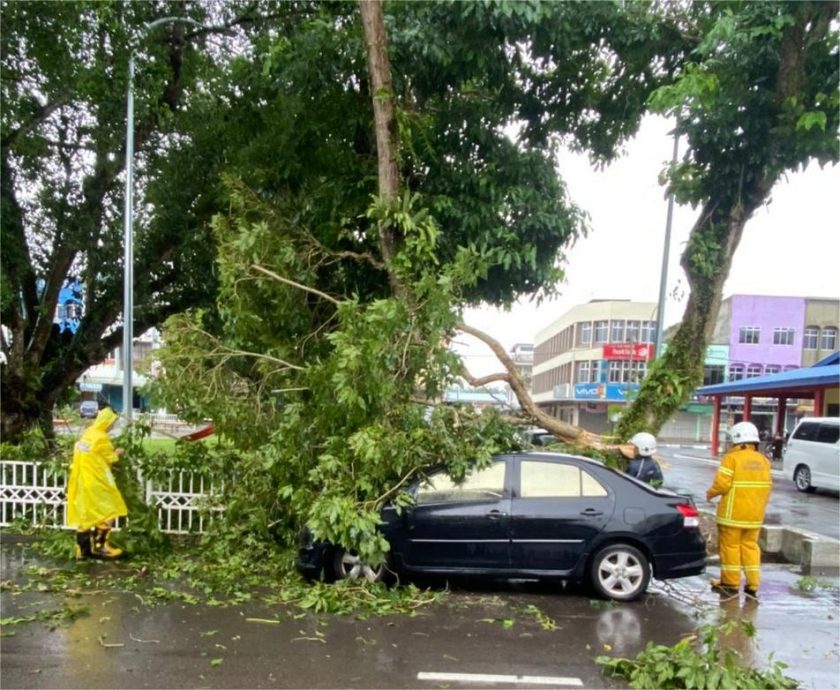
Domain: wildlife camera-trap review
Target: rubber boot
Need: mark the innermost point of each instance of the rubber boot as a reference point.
(722, 589)
(101, 547)
(84, 544)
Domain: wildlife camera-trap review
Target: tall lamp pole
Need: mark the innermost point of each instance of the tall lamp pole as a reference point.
(666, 253)
(128, 232)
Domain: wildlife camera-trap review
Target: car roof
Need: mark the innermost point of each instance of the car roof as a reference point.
(551, 455)
(820, 420)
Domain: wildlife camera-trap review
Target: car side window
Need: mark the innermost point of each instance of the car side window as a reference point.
(806, 432)
(481, 485)
(556, 480)
(828, 433)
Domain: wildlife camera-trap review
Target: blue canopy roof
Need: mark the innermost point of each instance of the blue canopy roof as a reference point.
(823, 374)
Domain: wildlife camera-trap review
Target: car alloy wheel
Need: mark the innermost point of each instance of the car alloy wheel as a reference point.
(348, 566)
(802, 479)
(620, 572)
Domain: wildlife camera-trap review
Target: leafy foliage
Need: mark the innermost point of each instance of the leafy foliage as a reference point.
(696, 661)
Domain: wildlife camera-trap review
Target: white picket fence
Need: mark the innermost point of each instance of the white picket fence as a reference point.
(35, 493)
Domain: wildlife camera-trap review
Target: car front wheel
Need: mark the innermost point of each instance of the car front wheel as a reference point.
(620, 572)
(802, 479)
(348, 566)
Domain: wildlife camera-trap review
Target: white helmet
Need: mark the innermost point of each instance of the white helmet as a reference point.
(645, 443)
(744, 432)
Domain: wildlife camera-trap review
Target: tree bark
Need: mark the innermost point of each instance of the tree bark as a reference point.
(385, 124)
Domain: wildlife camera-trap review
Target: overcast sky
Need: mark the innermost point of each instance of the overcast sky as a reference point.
(789, 247)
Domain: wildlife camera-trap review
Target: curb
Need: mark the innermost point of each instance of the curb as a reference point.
(815, 553)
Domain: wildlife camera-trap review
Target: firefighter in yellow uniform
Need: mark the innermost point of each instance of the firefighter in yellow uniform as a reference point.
(93, 499)
(743, 482)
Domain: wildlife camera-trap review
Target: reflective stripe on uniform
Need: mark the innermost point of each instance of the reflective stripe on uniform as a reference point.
(756, 485)
(726, 471)
(742, 524)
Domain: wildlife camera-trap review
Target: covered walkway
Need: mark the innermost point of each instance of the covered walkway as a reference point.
(820, 383)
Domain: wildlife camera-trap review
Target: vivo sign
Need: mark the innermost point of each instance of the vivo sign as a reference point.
(618, 392)
(634, 351)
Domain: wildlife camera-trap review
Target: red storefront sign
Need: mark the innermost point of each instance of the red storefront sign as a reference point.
(635, 351)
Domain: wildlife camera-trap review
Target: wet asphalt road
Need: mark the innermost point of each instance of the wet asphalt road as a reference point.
(479, 629)
(694, 469)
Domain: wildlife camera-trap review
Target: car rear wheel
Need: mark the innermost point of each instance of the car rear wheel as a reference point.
(620, 572)
(802, 479)
(348, 566)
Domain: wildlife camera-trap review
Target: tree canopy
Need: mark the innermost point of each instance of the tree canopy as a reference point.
(755, 99)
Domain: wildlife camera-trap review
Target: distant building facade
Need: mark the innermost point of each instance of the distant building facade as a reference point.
(759, 335)
(588, 363)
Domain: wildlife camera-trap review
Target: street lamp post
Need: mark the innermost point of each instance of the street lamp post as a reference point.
(666, 253)
(128, 233)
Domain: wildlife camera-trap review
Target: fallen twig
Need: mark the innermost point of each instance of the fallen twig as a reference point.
(137, 639)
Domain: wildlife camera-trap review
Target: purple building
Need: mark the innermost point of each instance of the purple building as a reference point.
(765, 334)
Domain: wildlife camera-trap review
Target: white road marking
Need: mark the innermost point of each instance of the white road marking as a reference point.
(494, 678)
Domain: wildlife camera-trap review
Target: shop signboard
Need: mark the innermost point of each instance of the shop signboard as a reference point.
(640, 352)
(618, 392)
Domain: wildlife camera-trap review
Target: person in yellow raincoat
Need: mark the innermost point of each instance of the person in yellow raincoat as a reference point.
(93, 499)
(743, 481)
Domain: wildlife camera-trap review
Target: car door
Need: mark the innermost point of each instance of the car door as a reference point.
(826, 459)
(460, 526)
(557, 509)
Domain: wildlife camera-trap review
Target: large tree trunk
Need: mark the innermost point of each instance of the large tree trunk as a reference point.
(385, 124)
(706, 261)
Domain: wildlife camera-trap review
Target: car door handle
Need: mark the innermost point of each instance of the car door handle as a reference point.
(495, 514)
(591, 512)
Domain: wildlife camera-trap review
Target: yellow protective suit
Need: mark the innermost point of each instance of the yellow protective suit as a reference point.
(92, 493)
(743, 481)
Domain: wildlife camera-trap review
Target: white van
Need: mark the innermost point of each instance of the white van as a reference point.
(812, 456)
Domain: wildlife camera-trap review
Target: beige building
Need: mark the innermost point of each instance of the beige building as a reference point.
(819, 337)
(592, 359)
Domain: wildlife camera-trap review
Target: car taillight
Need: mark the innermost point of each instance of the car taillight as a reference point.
(691, 518)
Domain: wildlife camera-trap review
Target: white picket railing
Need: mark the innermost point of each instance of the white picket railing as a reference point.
(35, 494)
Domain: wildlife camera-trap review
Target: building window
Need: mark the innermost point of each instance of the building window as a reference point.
(749, 335)
(595, 371)
(828, 341)
(736, 372)
(633, 331)
(783, 336)
(772, 369)
(753, 370)
(615, 372)
(582, 372)
(602, 329)
(810, 338)
(585, 333)
(648, 331)
(633, 372)
(617, 331)
(712, 374)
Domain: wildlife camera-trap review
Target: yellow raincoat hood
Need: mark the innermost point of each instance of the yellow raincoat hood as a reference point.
(104, 419)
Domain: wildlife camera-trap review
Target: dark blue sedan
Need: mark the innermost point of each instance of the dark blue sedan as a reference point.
(533, 515)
